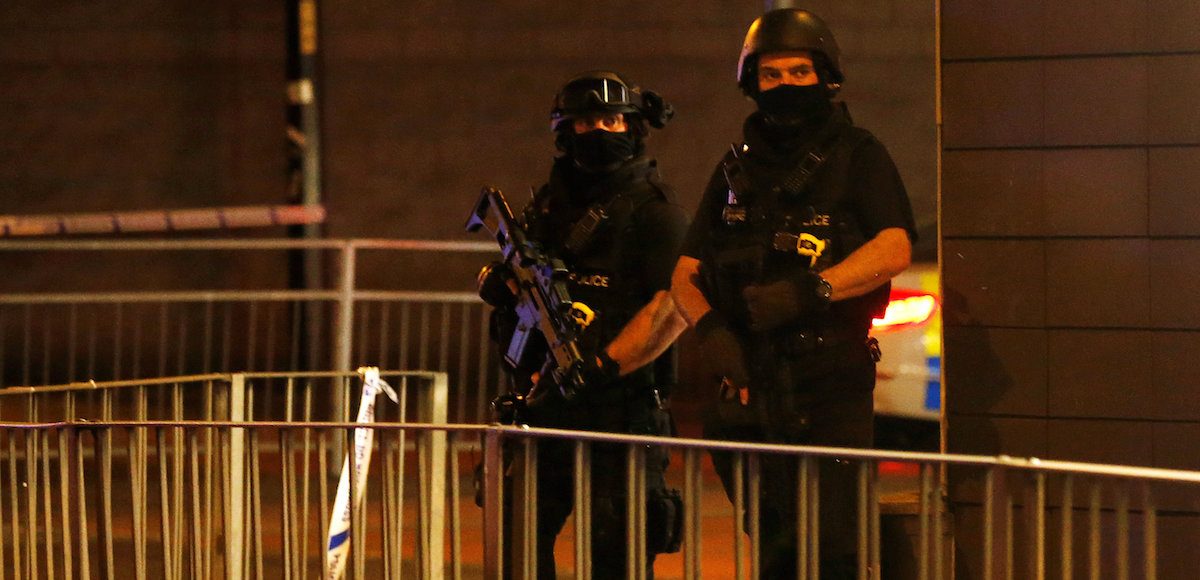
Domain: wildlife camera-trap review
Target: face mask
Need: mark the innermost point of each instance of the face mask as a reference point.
(795, 105)
(600, 151)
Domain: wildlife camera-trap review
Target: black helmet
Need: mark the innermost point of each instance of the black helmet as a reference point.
(789, 29)
(606, 92)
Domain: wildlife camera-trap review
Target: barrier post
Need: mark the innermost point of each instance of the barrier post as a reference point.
(235, 494)
(434, 410)
(493, 505)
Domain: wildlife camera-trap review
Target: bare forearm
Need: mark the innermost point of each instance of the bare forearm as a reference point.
(647, 334)
(870, 266)
(685, 289)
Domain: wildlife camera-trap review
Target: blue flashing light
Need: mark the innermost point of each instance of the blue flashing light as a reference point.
(933, 387)
(933, 394)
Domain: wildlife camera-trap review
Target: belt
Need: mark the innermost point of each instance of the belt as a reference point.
(807, 341)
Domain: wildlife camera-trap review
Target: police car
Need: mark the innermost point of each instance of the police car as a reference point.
(908, 389)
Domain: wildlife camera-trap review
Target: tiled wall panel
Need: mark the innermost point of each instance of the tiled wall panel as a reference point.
(1073, 127)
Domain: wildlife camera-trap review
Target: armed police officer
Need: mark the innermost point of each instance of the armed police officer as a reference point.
(789, 257)
(607, 214)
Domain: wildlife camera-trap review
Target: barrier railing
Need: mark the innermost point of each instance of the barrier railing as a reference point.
(1013, 546)
(81, 493)
(138, 332)
(280, 438)
(170, 526)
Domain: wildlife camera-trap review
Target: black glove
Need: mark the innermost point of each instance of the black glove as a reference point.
(598, 371)
(494, 289)
(779, 303)
(720, 351)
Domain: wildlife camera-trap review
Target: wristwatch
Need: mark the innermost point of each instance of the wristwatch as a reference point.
(824, 290)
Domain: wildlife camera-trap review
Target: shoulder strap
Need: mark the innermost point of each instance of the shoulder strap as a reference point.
(616, 209)
(837, 140)
(537, 206)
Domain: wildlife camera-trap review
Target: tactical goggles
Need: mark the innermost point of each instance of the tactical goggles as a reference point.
(594, 93)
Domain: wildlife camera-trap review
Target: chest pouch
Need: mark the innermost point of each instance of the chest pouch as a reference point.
(797, 181)
(583, 232)
(731, 270)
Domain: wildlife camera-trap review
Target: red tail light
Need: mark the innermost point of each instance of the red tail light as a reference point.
(906, 308)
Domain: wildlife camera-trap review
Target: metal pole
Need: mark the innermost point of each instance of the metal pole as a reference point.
(739, 514)
(923, 523)
(814, 520)
(493, 508)
(1123, 530)
(803, 525)
(345, 317)
(343, 339)
(631, 570)
(1094, 531)
(1067, 536)
(1150, 534)
(863, 524)
(304, 157)
(303, 111)
(237, 480)
(754, 499)
(581, 535)
(436, 401)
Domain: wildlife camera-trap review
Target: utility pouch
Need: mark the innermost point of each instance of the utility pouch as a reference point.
(732, 270)
(664, 521)
(584, 231)
(797, 181)
(744, 262)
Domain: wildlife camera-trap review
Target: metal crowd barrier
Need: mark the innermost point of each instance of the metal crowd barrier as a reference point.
(134, 332)
(181, 524)
(1106, 498)
(195, 477)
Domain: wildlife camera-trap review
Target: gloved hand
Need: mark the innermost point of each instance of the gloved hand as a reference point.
(497, 285)
(779, 303)
(598, 371)
(720, 351)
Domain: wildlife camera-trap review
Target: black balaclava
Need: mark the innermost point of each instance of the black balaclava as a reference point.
(599, 151)
(788, 115)
(795, 106)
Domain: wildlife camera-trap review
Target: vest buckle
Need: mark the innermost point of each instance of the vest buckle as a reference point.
(803, 244)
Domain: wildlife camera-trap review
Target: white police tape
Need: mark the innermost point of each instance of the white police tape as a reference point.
(339, 521)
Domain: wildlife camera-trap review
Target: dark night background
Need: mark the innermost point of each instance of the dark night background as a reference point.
(1071, 159)
(134, 105)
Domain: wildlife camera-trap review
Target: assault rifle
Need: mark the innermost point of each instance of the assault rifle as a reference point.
(543, 302)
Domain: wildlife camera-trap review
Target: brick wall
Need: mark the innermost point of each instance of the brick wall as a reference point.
(1071, 164)
(127, 105)
(426, 101)
(165, 103)
(115, 106)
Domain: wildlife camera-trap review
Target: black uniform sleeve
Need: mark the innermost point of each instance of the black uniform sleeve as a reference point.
(878, 193)
(707, 215)
(661, 227)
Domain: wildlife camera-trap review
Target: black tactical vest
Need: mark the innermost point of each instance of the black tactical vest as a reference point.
(604, 272)
(783, 215)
